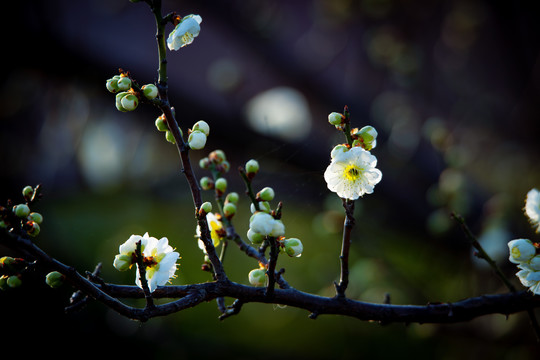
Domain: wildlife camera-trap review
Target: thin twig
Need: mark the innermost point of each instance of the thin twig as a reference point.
(348, 224)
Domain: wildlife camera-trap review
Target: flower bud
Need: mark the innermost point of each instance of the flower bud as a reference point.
(13, 281)
(204, 163)
(266, 194)
(129, 102)
(3, 282)
(229, 209)
(217, 156)
(124, 83)
(54, 279)
(224, 166)
(232, 197)
(21, 210)
(112, 84)
(335, 118)
(368, 137)
(255, 237)
(221, 185)
(161, 124)
(278, 229)
(261, 222)
(205, 208)
(206, 183)
(122, 262)
(257, 277)
(293, 247)
(27, 192)
(521, 250)
(202, 126)
(170, 137)
(34, 228)
(119, 98)
(150, 91)
(252, 167)
(197, 140)
(35, 217)
(263, 206)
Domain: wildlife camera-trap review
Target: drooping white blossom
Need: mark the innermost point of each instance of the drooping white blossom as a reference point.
(183, 34)
(352, 173)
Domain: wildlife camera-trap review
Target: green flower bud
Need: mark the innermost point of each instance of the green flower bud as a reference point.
(112, 84)
(221, 185)
(122, 262)
(217, 156)
(34, 228)
(264, 206)
(205, 208)
(232, 197)
(54, 279)
(129, 102)
(6, 261)
(27, 192)
(206, 183)
(252, 167)
(255, 237)
(197, 140)
(35, 217)
(202, 126)
(266, 194)
(257, 277)
(3, 282)
(204, 163)
(224, 166)
(150, 91)
(124, 83)
(119, 98)
(335, 118)
(161, 124)
(3, 224)
(13, 281)
(229, 209)
(368, 137)
(293, 247)
(21, 210)
(170, 137)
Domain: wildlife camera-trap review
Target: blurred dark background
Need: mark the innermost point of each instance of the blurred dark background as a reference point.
(451, 86)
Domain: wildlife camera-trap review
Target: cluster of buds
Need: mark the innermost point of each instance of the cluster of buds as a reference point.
(198, 135)
(366, 137)
(128, 94)
(162, 126)
(10, 272)
(19, 217)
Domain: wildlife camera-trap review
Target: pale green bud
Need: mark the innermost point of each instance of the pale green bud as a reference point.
(124, 83)
(255, 237)
(21, 210)
(335, 118)
(202, 126)
(224, 166)
(118, 99)
(35, 217)
(112, 84)
(217, 156)
(266, 194)
(206, 183)
(252, 167)
(122, 262)
(161, 124)
(368, 137)
(257, 277)
(293, 247)
(205, 208)
(232, 198)
(129, 102)
(28, 192)
(150, 91)
(221, 185)
(170, 137)
(13, 281)
(197, 140)
(204, 163)
(54, 279)
(34, 228)
(229, 209)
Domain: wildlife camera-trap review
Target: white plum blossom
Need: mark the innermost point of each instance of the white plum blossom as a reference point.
(521, 250)
(262, 223)
(352, 173)
(158, 257)
(532, 208)
(183, 34)
(529, 277)
(217, 231)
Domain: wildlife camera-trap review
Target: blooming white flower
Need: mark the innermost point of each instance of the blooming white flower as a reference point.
(352, 173)
(532, 208)
(183, 34)
(217, 231)
(262, 223)
(521, 250)
(530, 278)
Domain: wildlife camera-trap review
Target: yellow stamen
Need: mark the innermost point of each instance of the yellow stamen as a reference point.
(353, 172)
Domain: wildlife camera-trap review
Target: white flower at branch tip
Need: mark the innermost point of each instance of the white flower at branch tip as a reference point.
(521, 250)
(532, 208)
(352, 173)
(197, 140)
(160, 262)
(183, 34)
(529, 277)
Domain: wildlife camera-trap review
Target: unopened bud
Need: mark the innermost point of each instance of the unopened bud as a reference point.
(293, 247)
(150, 91)
(335, 118)
(122, 262)
(54, 279)
(232, 197)
(197, 140)
(217, 156)
(33, 228)
(266, 194)
(35, 217)
(161, 124)
(170, 137)
(206, 183)
(367, 137)
(204, 163)
(202, 126)
(124, 83)
(255, 237)
(13, 281)
(205, 208)
(263, 206)
(252, 167)
(224, 166)
(112, 84)
(118, 102)
(229, 209)
(278, 229)
(257, 277)
(221, 185)
(129, 102)
(21, 210)
(27, 192)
